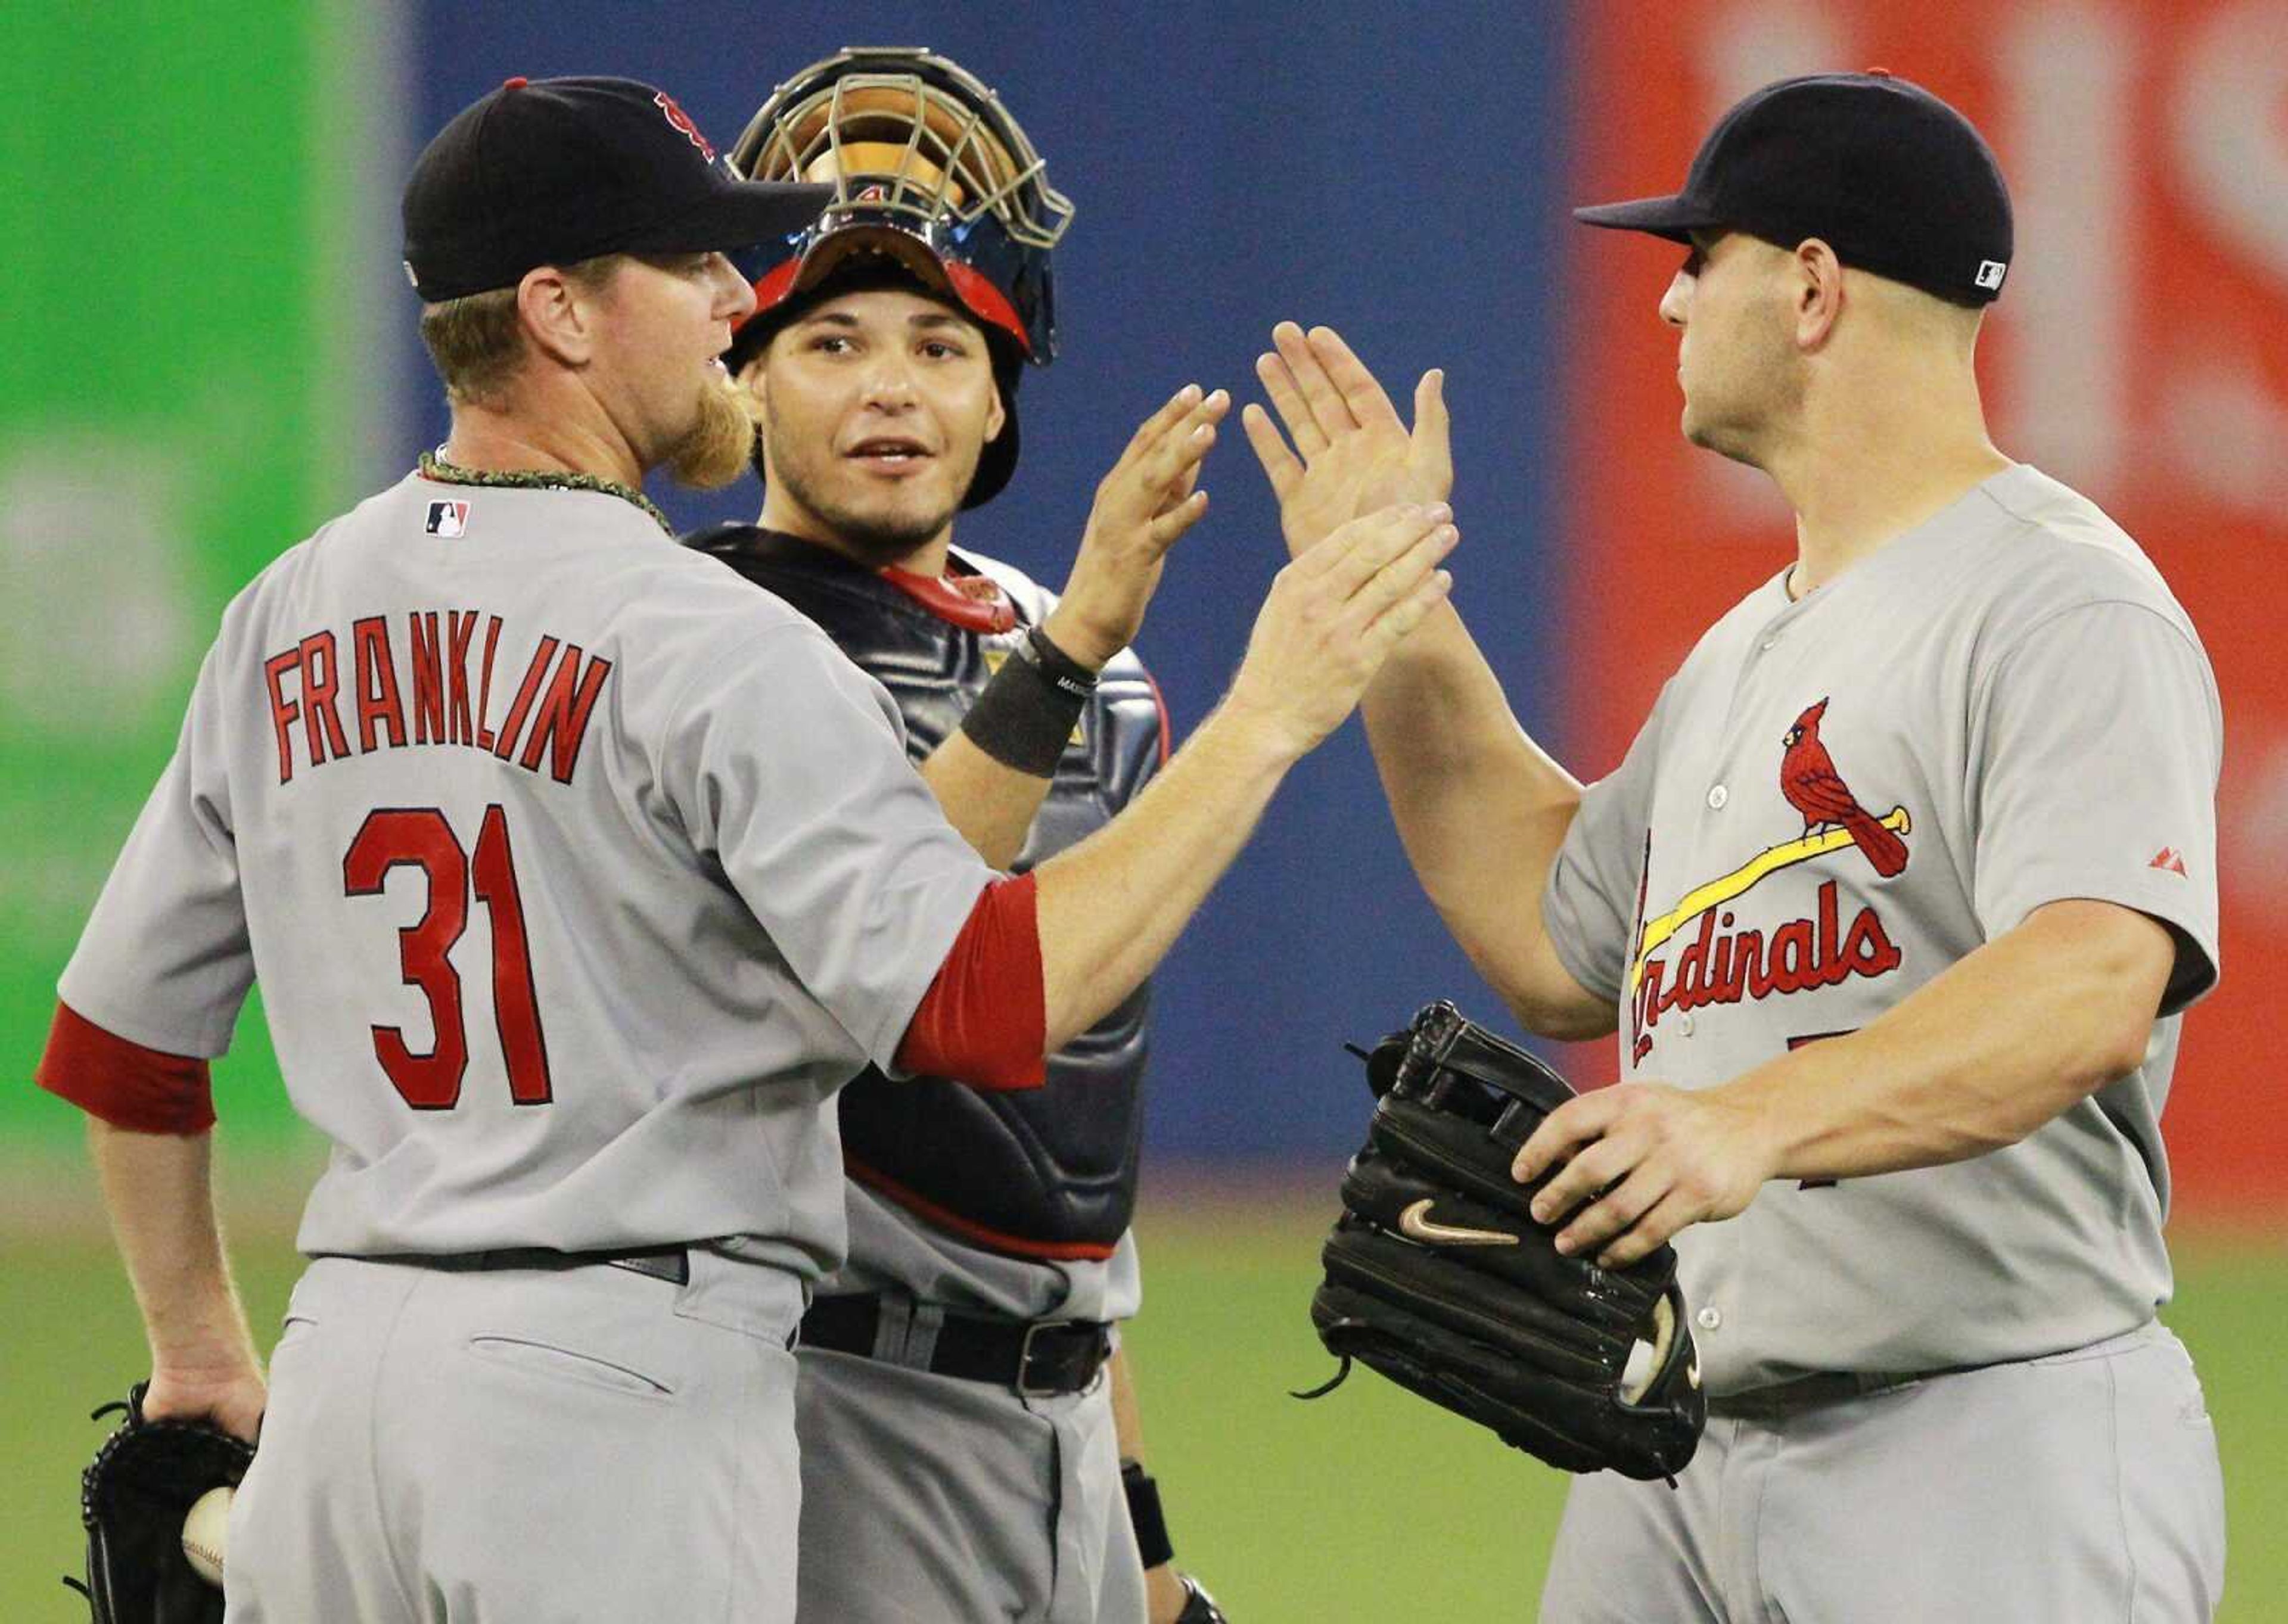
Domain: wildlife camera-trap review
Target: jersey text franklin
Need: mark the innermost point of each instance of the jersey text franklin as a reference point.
(427, 679)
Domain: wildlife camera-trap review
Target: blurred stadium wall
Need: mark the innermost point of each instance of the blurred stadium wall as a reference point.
(210, 349)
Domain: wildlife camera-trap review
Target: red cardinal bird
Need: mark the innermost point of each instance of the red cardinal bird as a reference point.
(1812, 786)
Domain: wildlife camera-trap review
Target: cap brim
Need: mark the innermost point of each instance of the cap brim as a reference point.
(833, 248)
(738, 214)
(1675, 217)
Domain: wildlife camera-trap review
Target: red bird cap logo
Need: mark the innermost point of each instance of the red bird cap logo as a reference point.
(1812, 786)
(681, 120)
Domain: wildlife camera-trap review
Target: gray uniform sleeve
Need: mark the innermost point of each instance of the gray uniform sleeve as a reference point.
(2095, 750)
(165, 961)
(1589, 903)
(788, 768)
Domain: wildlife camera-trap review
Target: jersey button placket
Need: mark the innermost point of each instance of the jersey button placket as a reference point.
(1710, 1317)
(1717, 796)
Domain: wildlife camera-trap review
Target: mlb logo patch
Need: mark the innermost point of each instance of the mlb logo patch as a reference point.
(448, 519)
(1990, 272)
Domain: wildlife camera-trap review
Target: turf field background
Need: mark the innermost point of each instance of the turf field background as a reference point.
(1367, 1506)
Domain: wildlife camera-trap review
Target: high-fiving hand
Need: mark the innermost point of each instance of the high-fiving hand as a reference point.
(1352, 453)
(1334, 615)
(1143, 507)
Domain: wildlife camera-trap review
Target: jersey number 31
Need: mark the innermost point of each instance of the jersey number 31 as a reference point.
(420, 837)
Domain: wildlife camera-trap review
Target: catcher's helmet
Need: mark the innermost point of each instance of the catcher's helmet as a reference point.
(929, 171)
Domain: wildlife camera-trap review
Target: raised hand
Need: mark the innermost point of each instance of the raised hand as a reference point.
(1142, 507)
(1334, 615)
(1351, 451)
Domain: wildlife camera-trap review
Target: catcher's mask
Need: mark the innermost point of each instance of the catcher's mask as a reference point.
(929, 171)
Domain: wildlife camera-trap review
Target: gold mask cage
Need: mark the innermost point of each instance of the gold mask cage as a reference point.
(898, 143)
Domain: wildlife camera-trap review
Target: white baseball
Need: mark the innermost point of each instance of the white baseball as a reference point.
(203, 1533)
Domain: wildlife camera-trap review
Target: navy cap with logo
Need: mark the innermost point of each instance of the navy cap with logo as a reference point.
(1891, 178)
(553, 171)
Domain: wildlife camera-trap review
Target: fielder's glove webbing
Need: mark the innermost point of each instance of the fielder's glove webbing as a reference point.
(1438, 1276)
(132, 1500)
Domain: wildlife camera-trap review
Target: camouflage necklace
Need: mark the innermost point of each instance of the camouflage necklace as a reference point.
(436, 467)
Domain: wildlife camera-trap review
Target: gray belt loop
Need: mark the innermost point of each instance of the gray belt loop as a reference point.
(897, 1312)
(921, 1335)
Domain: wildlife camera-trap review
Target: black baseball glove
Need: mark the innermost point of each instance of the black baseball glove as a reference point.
(133, 1498)
(1438, 1276)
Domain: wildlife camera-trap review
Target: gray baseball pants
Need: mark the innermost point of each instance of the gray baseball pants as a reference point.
(535, 1445)
(932, 1499)
(2073, 1489)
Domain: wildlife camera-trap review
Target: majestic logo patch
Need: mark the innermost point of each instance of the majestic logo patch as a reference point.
(448, 519)
(1727, 962)
(2169, 859)
(681, 120)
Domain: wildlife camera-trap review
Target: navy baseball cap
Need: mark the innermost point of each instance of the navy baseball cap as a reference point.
(1894, 179)
(553, 171)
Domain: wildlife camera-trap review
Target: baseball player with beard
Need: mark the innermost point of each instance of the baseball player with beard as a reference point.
(970, 1447)
(1896, 903)
(577, 886)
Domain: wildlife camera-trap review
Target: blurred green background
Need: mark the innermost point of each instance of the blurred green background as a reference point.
(1369, 1505)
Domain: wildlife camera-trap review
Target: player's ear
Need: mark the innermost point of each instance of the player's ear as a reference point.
(750, 379)
(998, 418)
(556, 319)
(1814, 291)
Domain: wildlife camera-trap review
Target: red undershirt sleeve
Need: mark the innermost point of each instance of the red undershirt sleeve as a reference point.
(125, 1084)
(984, 1021)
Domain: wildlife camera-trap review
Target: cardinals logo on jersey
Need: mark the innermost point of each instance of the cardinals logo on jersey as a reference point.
(1812, 786)
(1726, 961)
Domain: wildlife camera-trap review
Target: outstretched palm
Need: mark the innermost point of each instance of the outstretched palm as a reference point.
(1351, 452)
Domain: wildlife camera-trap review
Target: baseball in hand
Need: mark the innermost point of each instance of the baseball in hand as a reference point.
(203, 1532)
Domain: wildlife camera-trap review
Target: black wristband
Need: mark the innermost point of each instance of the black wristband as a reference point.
(1144, 1511)
(1069, 674)
(1026, 715)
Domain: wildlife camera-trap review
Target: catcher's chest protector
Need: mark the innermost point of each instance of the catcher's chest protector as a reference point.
(1048, 1172)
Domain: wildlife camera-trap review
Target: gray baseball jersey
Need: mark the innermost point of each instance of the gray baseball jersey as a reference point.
(1835, 799)
(576, 884)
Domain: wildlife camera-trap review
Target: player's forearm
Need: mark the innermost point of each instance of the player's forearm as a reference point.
(1481, 811)
(1110, 907)
(157, 1191)
(2004, 1040)
(992, 805)
(1127, 1422)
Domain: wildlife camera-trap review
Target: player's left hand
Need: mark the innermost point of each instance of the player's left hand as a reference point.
(1352, 452)
(1143, 507)
(1640, 1160)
